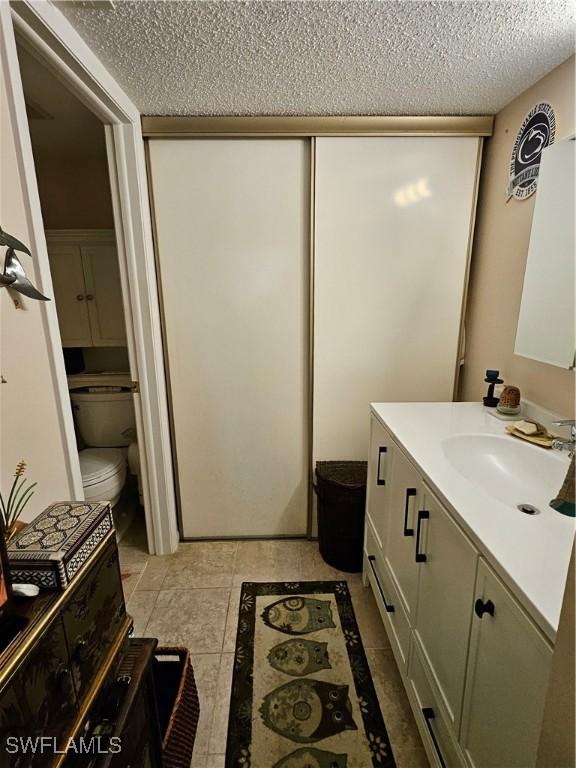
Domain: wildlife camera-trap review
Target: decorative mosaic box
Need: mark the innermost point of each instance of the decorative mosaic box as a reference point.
(51, 549)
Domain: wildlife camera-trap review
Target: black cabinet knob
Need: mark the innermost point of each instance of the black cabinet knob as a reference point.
(481, 607)
(62, 679)
(81, 650)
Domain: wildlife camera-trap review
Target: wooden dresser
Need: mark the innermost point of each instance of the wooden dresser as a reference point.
(53, 671)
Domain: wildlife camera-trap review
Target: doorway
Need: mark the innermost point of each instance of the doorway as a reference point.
(71, 167)
(41, 29)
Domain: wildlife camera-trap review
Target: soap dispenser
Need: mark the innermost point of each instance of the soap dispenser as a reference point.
(492, 378)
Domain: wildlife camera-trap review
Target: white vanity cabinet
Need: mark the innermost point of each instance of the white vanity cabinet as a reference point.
(476, 681)
(393, 491)
(447, 561)
(508, 666)
(405, 499)
(377, 487)
(87, 289)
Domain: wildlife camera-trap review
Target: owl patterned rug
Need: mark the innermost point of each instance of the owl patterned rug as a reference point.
(302, 693)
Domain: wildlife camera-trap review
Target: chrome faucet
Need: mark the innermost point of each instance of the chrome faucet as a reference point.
(560, 444)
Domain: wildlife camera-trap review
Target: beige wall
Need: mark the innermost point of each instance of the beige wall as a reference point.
(498, 263)
(29, 426)
(74, 191)
(69, 152)
(499, 259)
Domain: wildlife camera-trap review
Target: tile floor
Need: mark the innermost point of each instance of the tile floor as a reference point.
(191, 599)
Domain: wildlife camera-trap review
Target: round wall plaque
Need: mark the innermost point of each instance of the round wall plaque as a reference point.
(536, 132)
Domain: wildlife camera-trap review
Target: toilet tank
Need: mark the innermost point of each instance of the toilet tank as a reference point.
(103, 418)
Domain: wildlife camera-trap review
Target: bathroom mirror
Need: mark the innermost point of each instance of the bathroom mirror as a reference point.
(546, 327)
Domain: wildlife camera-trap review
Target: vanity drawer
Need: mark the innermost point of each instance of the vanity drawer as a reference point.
(371, 542)
(390, 607)
(440, 745)
(93, 617)
(37, 701)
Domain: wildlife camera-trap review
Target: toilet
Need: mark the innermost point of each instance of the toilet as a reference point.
(104, 415)
(103, 473)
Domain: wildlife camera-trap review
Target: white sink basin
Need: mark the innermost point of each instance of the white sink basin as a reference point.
(511, 471)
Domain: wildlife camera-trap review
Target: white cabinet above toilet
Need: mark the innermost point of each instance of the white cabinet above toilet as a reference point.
(87, 288)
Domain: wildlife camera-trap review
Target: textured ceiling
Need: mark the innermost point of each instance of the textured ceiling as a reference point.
(374, 57)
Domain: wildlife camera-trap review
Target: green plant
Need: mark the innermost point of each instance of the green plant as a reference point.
(20, 494)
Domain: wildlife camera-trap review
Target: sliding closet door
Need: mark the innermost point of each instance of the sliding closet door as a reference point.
(392, 223)
(232, 224)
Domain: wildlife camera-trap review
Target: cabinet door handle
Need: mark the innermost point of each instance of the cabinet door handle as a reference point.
(481, 607)
(80, 297)
(423, 514)
(89, 297)
(409, 493)
(379, 479)
(429, 715)
(62, 676)
(389, 608)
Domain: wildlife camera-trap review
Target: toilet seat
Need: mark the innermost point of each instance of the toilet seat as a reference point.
(103, 473)
(99, 464)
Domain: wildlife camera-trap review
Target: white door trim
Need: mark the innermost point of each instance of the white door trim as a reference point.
(43, 28)
(17, 107)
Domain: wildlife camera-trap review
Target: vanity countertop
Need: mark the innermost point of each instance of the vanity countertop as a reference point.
(530, 552)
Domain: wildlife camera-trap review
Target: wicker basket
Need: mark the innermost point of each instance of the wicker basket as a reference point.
(178, 705)
(341, 489)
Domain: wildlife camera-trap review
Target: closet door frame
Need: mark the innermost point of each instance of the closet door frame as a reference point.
(310, 128)
(284, 127)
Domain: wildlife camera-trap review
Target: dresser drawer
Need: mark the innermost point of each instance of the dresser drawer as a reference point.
(93, 617)
(387, 599)
(37, 701)
(434, 726)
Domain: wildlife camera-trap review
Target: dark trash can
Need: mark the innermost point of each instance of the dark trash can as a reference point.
(341, 490)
